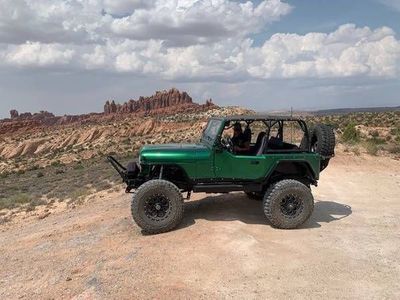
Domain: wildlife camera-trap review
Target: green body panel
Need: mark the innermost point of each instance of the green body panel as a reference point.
(204, 161)
(246, 167)
(195, 159)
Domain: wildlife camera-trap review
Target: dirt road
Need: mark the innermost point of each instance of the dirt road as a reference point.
(224, 249)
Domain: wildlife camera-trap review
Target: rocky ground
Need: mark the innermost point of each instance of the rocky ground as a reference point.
(225, 248)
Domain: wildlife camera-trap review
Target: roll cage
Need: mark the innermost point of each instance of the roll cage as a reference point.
(269, 122)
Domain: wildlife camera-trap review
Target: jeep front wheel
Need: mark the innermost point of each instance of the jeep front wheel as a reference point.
(157, 206)
(288, 204)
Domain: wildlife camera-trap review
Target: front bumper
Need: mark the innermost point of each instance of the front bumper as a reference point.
(129, 174)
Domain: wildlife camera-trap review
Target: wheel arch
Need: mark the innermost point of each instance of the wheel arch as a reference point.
(300, 170)
(174, 173)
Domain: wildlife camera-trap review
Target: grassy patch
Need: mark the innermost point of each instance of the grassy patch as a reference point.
(14, 200)
(350, 134)
(371, 147)
(72, 181)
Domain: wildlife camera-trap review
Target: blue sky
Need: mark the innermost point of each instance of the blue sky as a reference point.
(69, 57)
(327, 15)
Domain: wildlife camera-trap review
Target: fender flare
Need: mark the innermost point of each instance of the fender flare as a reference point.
(281, 166)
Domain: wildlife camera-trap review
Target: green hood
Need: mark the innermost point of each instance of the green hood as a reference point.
(173, 153)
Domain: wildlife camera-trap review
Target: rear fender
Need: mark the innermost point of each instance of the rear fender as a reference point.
(294, 169)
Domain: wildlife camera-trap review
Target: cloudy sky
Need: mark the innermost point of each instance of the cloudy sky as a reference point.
(69, 56)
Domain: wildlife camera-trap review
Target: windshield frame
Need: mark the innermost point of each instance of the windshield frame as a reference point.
(212, 131)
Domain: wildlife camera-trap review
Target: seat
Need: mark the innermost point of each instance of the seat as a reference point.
(247, 134)
(258, 142)
(275, 143)
(263, 143)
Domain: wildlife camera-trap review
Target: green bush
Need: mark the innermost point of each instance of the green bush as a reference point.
(376, 141)
(14, 201)
(57, 163)
(371, 147)
(351, 134)
(79, 166)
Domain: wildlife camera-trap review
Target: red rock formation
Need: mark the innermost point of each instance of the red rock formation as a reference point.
(160, 100)
(14, 114)
(209, 103)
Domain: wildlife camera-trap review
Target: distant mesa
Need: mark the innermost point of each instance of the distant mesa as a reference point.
(161, 101)
(14, 114)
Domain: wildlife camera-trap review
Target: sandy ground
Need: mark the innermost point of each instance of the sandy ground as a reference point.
(225, 248)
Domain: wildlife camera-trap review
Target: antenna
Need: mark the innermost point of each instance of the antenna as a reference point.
(291, 125)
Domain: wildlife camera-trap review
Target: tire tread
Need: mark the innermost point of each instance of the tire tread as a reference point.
(272, 193)
(148, 228)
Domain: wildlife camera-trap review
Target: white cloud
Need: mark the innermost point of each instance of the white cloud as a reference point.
(191, 22)
(186, 40)
(37, 54)
(348, 51)
(177, 22)
(395, 4)
(125, 7)
(47, 21)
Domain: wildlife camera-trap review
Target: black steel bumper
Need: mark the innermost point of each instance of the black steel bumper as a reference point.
(129, 174)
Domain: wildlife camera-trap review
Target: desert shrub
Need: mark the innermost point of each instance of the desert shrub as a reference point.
(36, 202)
(14, 200)
(20, 172)
(57, 163)
(33, 168)
(395, 131)
(374, 133)
(351, 134)
(371, 148)
(79, 166)
(376, 141)
(394, 149)
(79, 193)
(356, 151)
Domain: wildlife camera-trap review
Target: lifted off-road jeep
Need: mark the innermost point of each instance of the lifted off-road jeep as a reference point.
(283, 160)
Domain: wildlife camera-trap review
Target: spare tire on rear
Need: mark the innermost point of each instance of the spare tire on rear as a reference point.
(322, 141)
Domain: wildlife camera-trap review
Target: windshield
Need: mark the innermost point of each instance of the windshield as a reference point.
(211, 131)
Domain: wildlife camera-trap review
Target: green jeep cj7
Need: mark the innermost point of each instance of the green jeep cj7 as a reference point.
(282, 159)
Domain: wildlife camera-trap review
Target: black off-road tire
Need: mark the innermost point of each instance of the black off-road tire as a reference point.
(258, 196)
(277, 201)
(157, 206)
(323, 142)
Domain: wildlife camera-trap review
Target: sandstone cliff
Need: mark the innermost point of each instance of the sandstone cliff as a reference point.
(162, 101)
(159, 104)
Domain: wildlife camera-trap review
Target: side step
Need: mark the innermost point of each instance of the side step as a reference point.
(225, 188)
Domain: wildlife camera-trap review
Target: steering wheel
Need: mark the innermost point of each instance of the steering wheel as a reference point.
(227, 143)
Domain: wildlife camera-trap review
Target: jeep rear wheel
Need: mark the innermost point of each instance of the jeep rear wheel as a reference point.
(288, 204)
(157, 206)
